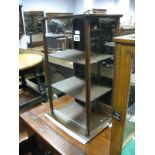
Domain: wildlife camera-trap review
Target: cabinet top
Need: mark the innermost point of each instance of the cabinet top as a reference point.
(89, 15)
(98, 15)
(126, 39)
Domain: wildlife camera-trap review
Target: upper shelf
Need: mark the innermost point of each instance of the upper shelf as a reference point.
(75, 86)
(77, 56)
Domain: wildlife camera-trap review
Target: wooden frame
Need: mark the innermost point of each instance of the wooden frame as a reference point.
(21, 25)
(124, 52)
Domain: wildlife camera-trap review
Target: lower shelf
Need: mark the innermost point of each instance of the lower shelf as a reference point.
(73, 117)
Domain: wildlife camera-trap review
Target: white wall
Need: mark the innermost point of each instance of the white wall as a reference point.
(110, 5)
(79, 6)
(48, 5)
(125, 7)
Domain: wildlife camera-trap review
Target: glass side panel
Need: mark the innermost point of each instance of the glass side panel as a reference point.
(71, 81)
(129, 131)
(65, 79)
(101, 33)
(59, 33)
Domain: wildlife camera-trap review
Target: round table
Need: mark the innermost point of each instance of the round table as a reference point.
(29, 60)
(30, 63)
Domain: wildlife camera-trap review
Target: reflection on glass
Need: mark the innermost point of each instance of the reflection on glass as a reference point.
(128, 139)
(59, 36)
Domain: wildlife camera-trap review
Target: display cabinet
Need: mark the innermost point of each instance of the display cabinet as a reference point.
(88, 111)
(123, 124)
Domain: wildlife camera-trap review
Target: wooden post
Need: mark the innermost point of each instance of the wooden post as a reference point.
(123, 63)
(47, 76)
(87, 71)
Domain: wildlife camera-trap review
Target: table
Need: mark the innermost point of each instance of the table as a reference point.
(28, 60)
(57, 138)
(31, 63)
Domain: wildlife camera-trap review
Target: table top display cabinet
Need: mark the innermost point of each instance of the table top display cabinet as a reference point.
(89, 111)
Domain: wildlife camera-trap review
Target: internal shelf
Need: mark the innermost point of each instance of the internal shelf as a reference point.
(75, 87)
(77, 56)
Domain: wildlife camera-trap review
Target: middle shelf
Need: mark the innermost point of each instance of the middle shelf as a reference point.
(77, 56)
(75, 87)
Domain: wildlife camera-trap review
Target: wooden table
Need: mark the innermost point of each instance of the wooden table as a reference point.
(30, 63)
(57, 138)
(28, 60)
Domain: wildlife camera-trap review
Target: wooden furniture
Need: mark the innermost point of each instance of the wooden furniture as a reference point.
(35, 40)
(124, 54)
(21, 25)
(56, 138)
(32, 23)
(103, 143)
(33, 27)
(89, 113)
(30, 63)
(27, 61)
(126, 30)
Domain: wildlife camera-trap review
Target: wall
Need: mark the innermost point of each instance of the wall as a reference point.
(110, 5)
(79, 6)
(48, 5)
(125, 7)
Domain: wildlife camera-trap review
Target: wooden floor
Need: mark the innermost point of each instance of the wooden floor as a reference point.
(60, 140)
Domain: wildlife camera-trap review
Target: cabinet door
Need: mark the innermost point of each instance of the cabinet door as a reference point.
(123, 98)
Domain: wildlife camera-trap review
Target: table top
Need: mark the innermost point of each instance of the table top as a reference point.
(28, 60)
(57, 138)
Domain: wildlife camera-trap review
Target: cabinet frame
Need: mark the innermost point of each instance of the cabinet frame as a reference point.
(124, 53)
(87, 57)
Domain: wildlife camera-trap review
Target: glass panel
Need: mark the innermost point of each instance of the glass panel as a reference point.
(102, 30)
(68, 72)
(59, 33)
(129, 131)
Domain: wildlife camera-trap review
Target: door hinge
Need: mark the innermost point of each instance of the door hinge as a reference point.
(116, 115)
